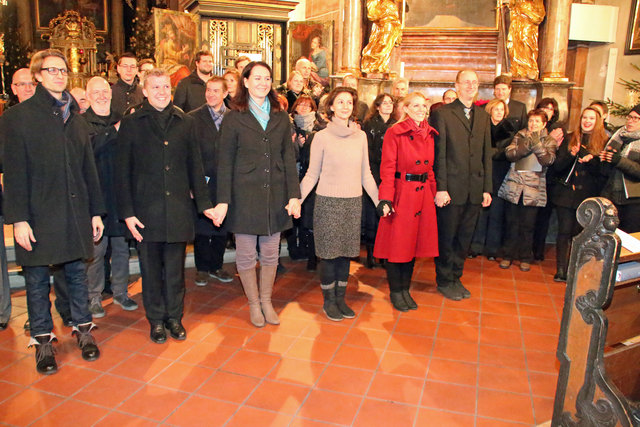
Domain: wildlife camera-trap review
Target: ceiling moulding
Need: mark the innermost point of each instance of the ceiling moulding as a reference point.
(273, 10)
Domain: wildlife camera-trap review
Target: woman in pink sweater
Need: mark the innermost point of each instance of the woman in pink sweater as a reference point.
(339, 165)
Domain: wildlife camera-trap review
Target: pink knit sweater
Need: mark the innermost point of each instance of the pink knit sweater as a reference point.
(339, 164)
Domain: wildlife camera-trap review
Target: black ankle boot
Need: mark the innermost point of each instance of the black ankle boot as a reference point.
(330, 307)
(411, 303)
(370, 262)
(45, 355)
(346, 311)
(397, 299)
(86, 342)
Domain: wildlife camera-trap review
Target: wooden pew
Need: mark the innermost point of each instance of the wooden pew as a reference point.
(599, 379)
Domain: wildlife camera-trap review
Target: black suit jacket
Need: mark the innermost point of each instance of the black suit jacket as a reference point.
(463, 153)
(518, 111)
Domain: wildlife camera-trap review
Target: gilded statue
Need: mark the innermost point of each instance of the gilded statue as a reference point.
(522, 41)
(386, 33)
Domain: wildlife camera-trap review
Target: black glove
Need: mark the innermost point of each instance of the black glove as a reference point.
(615, 158)
(381, 205)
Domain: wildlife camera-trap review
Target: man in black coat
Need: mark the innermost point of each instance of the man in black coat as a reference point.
(463, 176)
(53, 200)
(127, 93)
(159, 167)
(190, 91)
(210, 241)
(104, 125)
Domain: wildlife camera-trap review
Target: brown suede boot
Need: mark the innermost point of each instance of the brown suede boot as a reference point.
(249, 282)
(267, 278)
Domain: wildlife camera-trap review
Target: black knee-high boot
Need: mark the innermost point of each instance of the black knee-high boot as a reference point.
(395, 279)
(407, 272)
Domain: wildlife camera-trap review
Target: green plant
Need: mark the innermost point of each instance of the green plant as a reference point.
(621, 110)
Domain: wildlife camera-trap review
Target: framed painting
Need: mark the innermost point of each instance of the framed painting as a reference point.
(312, 40)
(94, 10)
(451, 14)
(632, 46)
(177, 42)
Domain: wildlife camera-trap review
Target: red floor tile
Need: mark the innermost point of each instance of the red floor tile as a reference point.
(67, 381)
(108, 391)
(455, 350)
(506, 406)
(321, 405)
(183, 377)
(543, 409)
(450, 397)
(227, 386)
(7, 390)
(500, 321)
(389, 414)
(411, 344)
(450, 371)
(432, 417)
(357, 357)
(72, 413)
(120, 419)
(543, 385)
(410, 365)
(208, 355)
(460, 317)
(396, 388)
(153, 402)
(201, 411)
(278, 397)
(500, 337)
(297, 371)
(312, 349)
(141, 367)
(267, 342)
(502, 378)
(367, 338)
(248, 416)
(502, 356)
(251, 363)
(542, 361)
(345, 380)
(27, 406)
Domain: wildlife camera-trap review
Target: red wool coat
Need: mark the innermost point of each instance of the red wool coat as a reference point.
(411, 231)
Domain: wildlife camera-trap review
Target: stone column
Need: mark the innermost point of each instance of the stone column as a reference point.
(25, 23)
(555, 40)
(117, 30)
(352, 31)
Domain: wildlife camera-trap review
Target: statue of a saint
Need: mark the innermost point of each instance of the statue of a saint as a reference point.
(522, 41)
(386, 33)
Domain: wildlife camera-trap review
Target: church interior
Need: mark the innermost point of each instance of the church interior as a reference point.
(508, 356)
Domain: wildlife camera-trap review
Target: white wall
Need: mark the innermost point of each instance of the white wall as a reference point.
(298, 14)
(597, 62)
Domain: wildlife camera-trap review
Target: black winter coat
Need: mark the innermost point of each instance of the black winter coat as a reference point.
(463, 152)
(190, 93)
(50, 180)
(104, 137)
(375, 128)
(257, 172)
(125, 96)
(156, 173)
(208, 138)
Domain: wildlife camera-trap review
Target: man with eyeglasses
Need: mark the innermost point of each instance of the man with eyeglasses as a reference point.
(190, 91)
(621, 162)
(54, 201)
(22, 84)
(463, 176)
(127, 93)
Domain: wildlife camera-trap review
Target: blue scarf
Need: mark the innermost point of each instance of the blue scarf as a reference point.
(261, 113)
(217, 115)
(65, 105)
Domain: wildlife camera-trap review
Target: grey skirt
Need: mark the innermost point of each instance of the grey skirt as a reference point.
(336, 226)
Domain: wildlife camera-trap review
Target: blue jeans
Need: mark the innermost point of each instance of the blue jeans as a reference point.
(38, 288)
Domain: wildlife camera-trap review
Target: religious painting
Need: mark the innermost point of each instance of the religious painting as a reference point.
(632, 46)
(312, 40)
(451, 14)
(94, 10)
(177, 42)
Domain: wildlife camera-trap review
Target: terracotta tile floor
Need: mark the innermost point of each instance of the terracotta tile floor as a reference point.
(487, 361)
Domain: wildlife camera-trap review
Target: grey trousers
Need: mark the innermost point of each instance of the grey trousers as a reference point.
(119, 267)
(5, 290)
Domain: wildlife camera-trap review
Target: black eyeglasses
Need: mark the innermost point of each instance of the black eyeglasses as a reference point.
(54, 71)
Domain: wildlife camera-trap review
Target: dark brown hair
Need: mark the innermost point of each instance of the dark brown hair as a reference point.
(502, 79)
(550, 101)
(38, 59)
(240, 102)
(540, 113)
(373, 109)
(127, 55)
(332, 97)
(202, 53)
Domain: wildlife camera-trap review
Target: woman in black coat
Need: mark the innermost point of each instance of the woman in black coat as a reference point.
(378, 120)
(577, 170)
(257, 184)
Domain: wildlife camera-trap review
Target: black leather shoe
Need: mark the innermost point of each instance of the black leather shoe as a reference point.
(158, 334)
(398, 302)
(66, 320)
(176, 329)
(45, 355)
(463, 291)
(86, 342)
(3, 326)
(411, 303)
(451, 292)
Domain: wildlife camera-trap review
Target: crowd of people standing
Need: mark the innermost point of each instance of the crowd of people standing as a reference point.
(232, 154)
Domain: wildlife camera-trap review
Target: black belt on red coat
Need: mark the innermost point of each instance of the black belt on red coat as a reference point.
(413, 177)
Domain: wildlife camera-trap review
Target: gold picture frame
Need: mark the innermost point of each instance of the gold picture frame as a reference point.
(95, 10)
(450, 15)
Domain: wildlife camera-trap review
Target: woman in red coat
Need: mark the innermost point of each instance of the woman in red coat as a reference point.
(409, 187)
